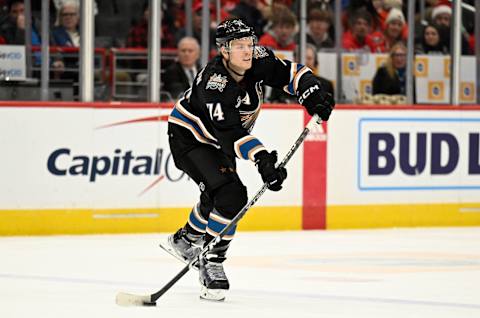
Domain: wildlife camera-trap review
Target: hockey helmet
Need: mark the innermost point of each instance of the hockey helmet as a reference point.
(233, 29)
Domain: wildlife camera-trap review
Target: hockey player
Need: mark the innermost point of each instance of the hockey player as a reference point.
(210, 127)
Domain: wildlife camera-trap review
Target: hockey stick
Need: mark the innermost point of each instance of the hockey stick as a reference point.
(126, 299)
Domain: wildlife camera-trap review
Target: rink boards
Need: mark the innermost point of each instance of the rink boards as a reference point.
(107, 168)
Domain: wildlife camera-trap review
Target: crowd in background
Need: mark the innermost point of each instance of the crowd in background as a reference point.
(377, 26)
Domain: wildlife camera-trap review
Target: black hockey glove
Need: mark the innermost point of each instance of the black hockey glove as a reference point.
(271, 175)
(315, 99)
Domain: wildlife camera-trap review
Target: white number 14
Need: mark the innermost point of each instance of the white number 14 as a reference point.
(215, 111)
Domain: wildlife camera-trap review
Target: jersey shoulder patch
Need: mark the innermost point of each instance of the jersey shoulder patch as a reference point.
(217, 82)
(260, 52)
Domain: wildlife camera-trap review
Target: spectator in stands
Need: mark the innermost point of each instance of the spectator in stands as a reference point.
(382, 42)
(390, 79)
(179, 76)
(12, 29)
(59, 4)
(281, 34)
(430, 42)
(354, 6)
(138, 34)
(66, 31)
(442, 17)
(66, 34)
(354, 39)
(247, 11)
(55, 6)
(319, 22)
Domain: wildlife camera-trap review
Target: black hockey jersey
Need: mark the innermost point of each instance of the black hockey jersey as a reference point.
(221, 112)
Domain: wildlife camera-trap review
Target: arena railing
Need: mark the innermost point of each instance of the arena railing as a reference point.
(70, 56)
(129, 73)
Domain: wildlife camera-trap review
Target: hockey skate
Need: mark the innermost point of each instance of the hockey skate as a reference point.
(179, 246)
(212, 278)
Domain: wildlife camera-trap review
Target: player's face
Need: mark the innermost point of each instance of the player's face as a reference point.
(241, 53)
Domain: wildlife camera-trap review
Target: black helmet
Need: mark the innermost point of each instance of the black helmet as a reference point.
(233, 29)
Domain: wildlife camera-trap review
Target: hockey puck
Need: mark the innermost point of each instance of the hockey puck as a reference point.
(149, 304)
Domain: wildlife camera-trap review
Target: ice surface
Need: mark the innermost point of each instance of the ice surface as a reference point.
(362, 273)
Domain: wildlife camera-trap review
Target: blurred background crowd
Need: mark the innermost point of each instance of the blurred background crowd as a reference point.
(121, 38)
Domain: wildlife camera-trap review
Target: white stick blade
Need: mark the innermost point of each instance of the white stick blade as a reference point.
(126, 299)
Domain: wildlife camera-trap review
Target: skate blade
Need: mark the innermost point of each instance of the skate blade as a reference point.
(212, 294)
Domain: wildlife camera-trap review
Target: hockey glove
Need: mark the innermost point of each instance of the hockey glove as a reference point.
(271, 175)
(315, 99)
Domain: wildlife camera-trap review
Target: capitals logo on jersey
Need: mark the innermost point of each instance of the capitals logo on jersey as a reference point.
(260, 52)
(217, 81)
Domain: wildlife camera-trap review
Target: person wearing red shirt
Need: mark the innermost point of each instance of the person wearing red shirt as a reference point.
(382, 42)
(281, 35)
(355, 38)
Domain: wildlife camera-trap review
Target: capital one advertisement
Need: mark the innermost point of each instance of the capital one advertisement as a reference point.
(107, 158)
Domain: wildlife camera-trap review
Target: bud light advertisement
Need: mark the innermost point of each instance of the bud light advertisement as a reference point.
(419, 153)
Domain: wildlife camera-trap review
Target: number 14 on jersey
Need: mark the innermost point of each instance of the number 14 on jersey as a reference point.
(215, 110)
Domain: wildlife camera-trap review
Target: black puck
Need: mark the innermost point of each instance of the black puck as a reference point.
(146, 303)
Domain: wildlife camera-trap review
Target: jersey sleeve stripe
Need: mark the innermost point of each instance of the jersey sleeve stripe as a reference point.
(195, 119)
(194, 132)
(298, 76)
(236, 145)
(293, 70)
(177, 118)
(247, 145)
(296, 72)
